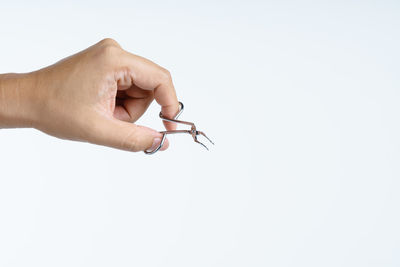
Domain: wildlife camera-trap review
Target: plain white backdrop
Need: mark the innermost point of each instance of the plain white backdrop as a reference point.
(301, 98)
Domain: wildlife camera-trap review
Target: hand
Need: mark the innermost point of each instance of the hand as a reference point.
(94, 96)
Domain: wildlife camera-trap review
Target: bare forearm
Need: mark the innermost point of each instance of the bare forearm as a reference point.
(17, 100)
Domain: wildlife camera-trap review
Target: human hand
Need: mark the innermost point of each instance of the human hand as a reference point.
(95, 95)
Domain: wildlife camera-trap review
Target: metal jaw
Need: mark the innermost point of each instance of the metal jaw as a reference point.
(193, 131)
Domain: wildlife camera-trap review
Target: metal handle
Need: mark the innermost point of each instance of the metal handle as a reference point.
(165, 133)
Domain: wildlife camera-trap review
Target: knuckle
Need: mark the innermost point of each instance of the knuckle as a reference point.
(109, 42)
(165, 74)
(107, 55)
(108, 49)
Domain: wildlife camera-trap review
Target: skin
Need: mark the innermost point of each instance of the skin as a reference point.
(93, 96)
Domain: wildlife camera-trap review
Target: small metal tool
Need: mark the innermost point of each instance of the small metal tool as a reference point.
(193, 131)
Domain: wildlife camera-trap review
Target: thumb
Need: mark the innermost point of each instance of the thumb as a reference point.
(126, 136)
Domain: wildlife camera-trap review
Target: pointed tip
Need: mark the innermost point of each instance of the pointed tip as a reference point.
(203, 134)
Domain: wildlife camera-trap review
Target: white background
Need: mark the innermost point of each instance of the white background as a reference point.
(301, 98)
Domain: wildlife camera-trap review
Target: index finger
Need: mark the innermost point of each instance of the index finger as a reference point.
(150, 76)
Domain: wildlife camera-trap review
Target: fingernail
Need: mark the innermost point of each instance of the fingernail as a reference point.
(156, 143)
(165, 145)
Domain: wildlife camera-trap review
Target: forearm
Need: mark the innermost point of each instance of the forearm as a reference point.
(17, 100)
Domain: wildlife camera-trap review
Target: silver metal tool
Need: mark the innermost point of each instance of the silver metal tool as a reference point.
(193, 131)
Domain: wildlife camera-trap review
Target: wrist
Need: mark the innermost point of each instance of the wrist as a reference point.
(18, 100)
